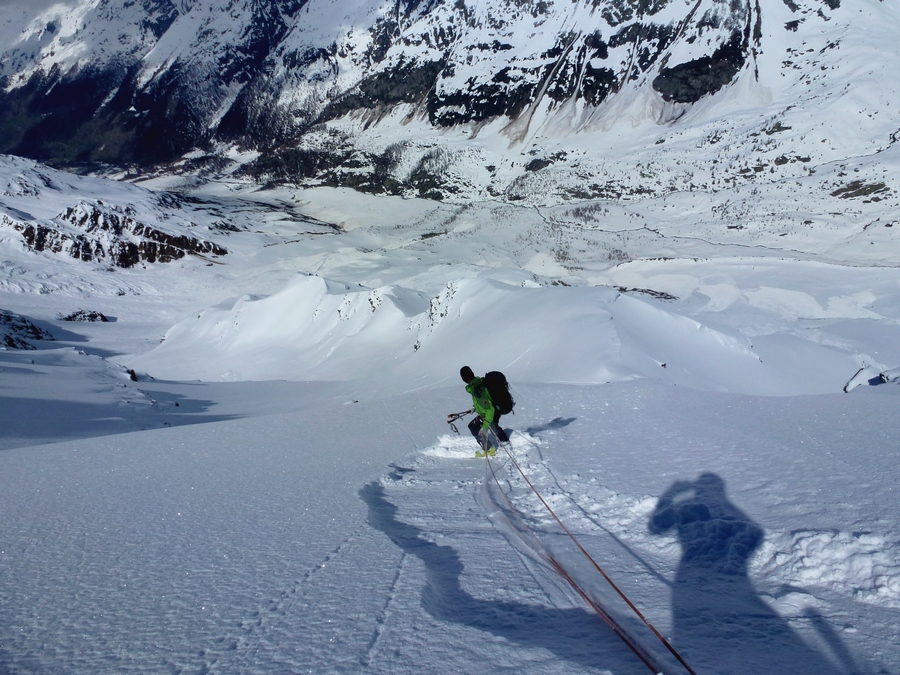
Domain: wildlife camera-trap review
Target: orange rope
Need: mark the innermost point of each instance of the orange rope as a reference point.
(593, 562)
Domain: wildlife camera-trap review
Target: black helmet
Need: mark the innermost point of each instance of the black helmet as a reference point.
(466, 374)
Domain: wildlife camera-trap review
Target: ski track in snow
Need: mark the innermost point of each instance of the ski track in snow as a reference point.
(262, 620)
(816, 568)
(531, 631)
(404, 574)
(801, 574)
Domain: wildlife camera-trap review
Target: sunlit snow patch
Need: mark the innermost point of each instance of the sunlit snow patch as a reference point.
(453, 447)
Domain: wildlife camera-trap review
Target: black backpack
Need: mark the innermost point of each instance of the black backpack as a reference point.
(498, 388)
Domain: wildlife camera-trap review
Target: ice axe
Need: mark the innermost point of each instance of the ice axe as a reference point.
(453, 417)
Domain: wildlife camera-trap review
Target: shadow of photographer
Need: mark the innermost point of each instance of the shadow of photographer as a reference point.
(720, 622)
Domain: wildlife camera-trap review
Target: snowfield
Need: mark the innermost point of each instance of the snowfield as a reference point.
(345, 537)
(247, 468)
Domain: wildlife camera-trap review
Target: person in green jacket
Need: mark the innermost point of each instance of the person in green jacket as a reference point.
(487, 419)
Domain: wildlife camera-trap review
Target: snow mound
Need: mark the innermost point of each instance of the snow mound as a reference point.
(861, 564)
(316, 329)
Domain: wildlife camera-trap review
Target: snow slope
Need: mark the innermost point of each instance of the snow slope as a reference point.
(316, 330)
(279, 492)
(286, 543)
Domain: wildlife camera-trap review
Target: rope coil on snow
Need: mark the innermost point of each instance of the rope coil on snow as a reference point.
(558, 568)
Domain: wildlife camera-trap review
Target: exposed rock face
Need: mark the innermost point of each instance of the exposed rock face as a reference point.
(689, 82)
(17, 332)
(101, 233)
(145, 82)
(84, 316)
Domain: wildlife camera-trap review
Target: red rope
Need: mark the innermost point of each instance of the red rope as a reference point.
(550, 560)
(593, 562)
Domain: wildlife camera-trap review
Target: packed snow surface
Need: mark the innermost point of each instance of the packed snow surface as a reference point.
(247, 468)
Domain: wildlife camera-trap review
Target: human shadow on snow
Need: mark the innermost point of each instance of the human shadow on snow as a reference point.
(555, 423)
(571, 634)
(720, 621)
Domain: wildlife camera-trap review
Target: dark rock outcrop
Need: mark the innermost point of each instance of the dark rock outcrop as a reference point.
(101, 233)
(17, 332)
(691, 81)
(84, 316)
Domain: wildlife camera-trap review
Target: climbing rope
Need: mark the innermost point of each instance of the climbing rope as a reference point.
(558, 568)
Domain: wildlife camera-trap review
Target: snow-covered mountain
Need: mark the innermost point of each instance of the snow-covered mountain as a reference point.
(533, 100)
(285, 495)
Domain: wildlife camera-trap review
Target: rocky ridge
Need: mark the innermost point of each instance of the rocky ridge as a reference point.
(95, 220)
(99, 233)
(17, 332)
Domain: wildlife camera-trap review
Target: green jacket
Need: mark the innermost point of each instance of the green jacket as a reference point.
(481, 398)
